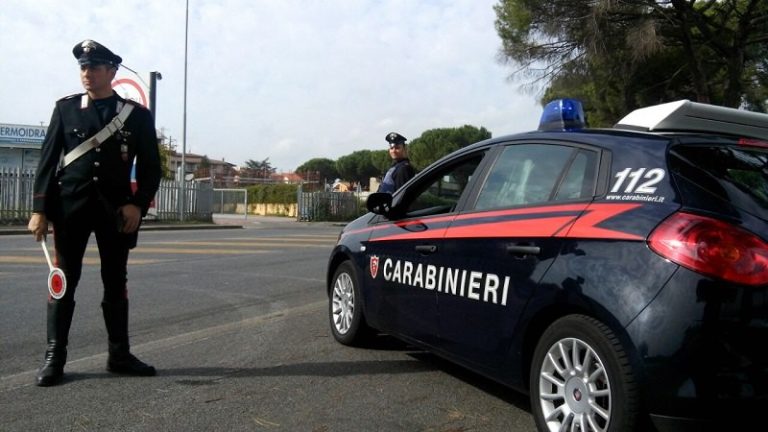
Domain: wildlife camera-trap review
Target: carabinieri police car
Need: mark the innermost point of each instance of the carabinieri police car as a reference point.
(618, 276)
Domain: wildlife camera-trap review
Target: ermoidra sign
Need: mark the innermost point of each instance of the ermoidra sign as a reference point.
(14, 133)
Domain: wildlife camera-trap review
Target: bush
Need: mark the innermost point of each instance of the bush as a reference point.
(279, 193)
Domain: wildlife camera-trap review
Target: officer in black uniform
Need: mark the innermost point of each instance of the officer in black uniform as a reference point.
(93, 193)
(401, 170)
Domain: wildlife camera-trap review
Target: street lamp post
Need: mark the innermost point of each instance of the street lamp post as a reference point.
(183, 196)
(154, 77)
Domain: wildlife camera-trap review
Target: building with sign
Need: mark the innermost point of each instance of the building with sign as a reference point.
(20, 146)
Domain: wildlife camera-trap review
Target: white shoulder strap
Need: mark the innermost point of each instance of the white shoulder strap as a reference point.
(113, 126)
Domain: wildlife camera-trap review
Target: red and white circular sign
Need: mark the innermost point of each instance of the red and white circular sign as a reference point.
(57, 283)
(129, 88)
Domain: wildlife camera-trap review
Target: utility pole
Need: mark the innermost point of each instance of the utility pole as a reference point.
(183, 195)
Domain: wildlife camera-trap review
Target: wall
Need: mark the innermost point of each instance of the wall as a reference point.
(288, 210)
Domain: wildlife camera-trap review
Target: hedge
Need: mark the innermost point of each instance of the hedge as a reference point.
(279, 193)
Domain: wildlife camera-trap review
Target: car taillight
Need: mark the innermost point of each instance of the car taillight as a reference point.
(712, 247)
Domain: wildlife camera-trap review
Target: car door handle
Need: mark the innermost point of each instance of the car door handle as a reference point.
(516, 249)
(426, 249)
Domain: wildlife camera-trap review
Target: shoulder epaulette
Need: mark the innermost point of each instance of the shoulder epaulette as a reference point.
(70, 96)
(135, 104)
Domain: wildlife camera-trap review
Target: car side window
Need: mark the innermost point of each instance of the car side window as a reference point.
(440, 191)
(537, 173)
(579, 180)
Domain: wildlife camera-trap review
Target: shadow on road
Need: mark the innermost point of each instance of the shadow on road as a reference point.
(423, 361)
(487, 385)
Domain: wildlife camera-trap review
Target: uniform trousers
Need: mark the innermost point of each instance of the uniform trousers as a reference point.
(71, 235)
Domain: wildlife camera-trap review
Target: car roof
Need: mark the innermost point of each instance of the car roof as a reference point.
(606, 138)
(656, 124)
(687, 116)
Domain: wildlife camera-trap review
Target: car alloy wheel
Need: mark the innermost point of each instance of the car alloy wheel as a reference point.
(574, 388)
(582, 379)
(343, 299)
(345, 308)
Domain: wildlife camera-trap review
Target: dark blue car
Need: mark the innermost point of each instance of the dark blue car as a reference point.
(618, 276)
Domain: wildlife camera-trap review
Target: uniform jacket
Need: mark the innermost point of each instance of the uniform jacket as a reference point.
(104, 172)
(397, 175)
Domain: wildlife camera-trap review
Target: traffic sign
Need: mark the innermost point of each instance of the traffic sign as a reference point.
(130, 88)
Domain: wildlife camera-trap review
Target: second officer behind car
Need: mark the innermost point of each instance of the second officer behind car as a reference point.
(401, 170)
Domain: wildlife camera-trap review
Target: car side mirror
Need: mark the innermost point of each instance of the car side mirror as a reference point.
(379, 203)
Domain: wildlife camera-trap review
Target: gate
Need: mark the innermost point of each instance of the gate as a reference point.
(329, 206)
(230, 201)
(198, 201)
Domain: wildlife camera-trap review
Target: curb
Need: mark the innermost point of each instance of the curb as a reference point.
(219, 222)
(147, 227)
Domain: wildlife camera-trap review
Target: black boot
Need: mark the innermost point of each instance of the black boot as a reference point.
(120, 358)
(59, 319)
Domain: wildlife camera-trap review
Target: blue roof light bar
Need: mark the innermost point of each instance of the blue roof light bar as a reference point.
(563, 114)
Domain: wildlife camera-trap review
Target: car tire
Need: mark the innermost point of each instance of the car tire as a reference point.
(581, 376)
(345, 309)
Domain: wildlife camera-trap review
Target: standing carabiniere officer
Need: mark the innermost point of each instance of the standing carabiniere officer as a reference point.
(83, 185)
(401, 170)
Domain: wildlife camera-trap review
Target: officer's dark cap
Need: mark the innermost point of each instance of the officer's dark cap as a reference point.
(92, 53)
(395, 138)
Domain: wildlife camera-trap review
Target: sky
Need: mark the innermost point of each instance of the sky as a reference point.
(288, 80)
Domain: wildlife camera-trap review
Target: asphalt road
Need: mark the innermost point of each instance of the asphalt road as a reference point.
(236, 323)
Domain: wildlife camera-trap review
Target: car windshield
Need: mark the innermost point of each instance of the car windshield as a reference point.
(738, 174)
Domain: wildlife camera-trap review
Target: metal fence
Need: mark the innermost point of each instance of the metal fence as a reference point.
(15, 194)
(329, 206)
(198, 201)
(201, 201)
(16, 198)
(230, 201)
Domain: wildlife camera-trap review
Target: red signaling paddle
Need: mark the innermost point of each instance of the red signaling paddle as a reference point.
(57, 282)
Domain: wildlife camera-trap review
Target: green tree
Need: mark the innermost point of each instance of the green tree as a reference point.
(436, 143)
(258, 169)
(204, 168)
(358, 166)
(381, 160)
(165, 156)
(318, 169)
(205, 163)
(622, 55)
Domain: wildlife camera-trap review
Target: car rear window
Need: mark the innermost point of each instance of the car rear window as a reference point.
(537, 173)
(738, 174)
